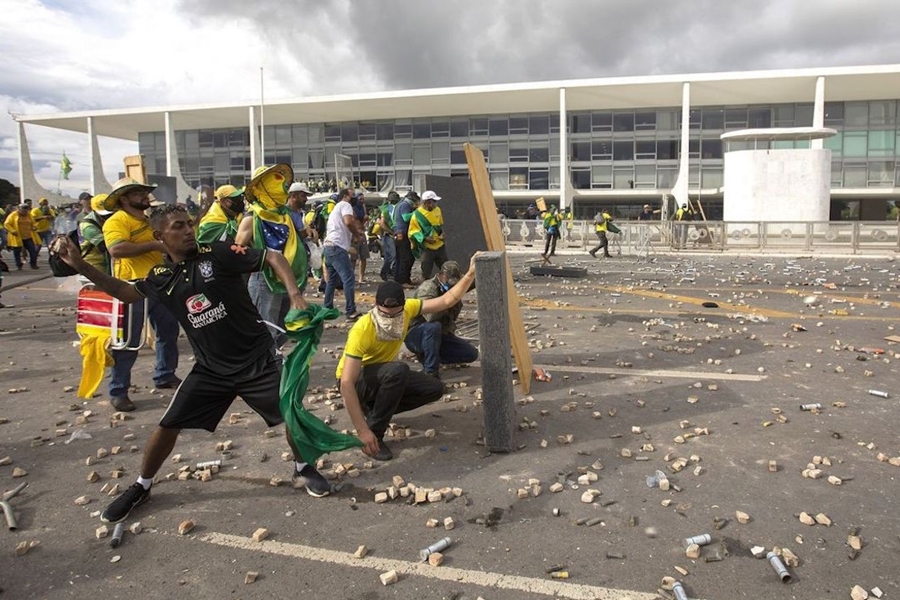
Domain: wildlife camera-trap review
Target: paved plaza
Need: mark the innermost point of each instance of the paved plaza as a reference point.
(704, 358)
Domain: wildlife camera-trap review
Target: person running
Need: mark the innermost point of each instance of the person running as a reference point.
(234, 353)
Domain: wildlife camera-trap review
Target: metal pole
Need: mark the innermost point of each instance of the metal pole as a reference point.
(262, 118)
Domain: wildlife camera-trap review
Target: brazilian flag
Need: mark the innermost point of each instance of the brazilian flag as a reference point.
(65, 166)
(274, 230)
(310, 435)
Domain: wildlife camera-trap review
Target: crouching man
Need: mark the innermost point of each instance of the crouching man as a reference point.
(374, 385)
(431, 336)
(234, 353)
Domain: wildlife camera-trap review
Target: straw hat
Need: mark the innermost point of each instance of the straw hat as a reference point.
(123, 186)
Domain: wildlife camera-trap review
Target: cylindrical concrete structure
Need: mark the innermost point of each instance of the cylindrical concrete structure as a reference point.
(777, 185)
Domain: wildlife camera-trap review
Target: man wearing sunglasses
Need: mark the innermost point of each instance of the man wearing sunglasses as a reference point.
(374, 384)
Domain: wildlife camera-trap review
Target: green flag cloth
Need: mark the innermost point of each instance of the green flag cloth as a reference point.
(310, 435)
(65, 166)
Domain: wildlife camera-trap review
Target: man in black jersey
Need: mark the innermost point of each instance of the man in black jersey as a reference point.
(234, 354)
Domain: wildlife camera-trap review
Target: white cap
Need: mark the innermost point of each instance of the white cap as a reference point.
(429, 195)
(299, 187)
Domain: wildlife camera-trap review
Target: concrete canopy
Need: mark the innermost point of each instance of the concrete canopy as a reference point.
(709, 89)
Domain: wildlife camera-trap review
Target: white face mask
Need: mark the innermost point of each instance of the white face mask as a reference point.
(387, 329)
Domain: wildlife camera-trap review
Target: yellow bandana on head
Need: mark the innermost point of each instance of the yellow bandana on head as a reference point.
(272, 225)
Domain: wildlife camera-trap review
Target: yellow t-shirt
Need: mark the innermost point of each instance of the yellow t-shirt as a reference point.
(42, 221)
(122, 227)
(362, 344)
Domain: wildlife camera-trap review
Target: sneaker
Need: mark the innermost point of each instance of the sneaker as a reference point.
(384, 452)
(593, 253)
(316, 485)
(122, 403)
(353, 316)
(170, 384)
(435, 374)
(121, 507)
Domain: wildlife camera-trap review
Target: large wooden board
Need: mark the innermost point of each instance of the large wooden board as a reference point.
(487, 210)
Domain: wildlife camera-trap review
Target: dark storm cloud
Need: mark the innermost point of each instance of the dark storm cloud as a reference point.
(402, 44)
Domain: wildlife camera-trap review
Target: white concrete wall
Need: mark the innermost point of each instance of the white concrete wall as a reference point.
(777, 185)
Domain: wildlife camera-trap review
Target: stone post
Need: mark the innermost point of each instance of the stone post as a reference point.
(496, 359)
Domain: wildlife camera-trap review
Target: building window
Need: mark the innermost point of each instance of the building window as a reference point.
(580, 123)
(623, 121)
(459, 129)
(882, 112)
(581, 151)
(538, 154)
(759, 118)
(478, 127)
(645, 149)
(834, 114)
(666, 149)
(517, 126)
(499, 127)
(711, 148)
(602, 122)
(601, 150)
(735, 118)
(645, 121)
(538, 179)
(856, 114)
(421, 131)
(539, 125)
(713, 118)
(602, 177)
(623, 150)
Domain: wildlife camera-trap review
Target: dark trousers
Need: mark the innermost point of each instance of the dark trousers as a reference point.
(430, 258)
(604, 243)
(28, 246)
(550, 244)
(386, 389)
(404, 263)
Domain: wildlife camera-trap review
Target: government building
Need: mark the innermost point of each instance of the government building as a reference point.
(618, 142)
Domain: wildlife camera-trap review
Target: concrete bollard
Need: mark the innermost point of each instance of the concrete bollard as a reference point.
(496, 361)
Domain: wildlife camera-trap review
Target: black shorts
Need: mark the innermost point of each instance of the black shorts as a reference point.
(204, 397)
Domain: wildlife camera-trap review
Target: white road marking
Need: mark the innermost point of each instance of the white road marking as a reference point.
(531, 585)
(653, 373)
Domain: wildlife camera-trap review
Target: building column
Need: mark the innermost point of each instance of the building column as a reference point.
(171, 150)
(29, 187)
(256, 156)
(563, 152)
(680, 189)
(819, 112)
(99, 184)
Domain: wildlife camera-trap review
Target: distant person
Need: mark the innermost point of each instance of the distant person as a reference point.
(646, 214)
(601, 226)
(552, 222)
(93, 245)
(402, 215)
(360, 213)
(426, 234)
(220, 223)
(388, 243)
(341, 234)
(684, 214)
(21, 236)
(43, 217)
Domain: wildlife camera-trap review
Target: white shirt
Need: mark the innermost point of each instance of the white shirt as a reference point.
(337, 232)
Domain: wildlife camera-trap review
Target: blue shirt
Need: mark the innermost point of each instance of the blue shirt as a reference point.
(404, 207)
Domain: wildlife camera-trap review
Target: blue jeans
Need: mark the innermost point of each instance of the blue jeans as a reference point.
(435, 348)
(337, 260)
(166, 347)
(272, 307)
(388, 256)
(27, 246)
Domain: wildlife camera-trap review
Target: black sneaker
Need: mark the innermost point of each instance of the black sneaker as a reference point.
(121, 507)
(170, 384)
(384, 453)
(316, 485)
(122, 403)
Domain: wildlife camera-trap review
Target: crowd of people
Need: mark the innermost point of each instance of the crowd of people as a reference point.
(229, 281)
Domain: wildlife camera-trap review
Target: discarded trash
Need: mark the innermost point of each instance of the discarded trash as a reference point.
(118, 532)
(869, 350)
(79, 434)
(542, 375)
(209, 463)
(439, 545)
(779, 567)
(700, 540)
(659, 480)
(679, 592)
(811, 406)
(878, 393)
(709, 305)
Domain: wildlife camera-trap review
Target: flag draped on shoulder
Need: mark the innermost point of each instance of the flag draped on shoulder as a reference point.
(425, 227)
(274, 230)
(216, 226)
(310, 435)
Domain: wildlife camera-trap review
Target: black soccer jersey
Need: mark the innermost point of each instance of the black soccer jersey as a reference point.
(209, 298)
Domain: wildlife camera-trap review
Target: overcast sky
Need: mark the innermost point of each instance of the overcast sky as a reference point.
(73, 55)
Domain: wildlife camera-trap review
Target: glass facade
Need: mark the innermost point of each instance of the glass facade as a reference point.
(607, 150)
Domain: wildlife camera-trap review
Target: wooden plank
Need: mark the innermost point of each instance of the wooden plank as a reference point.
(134, 168)
(487, 210)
